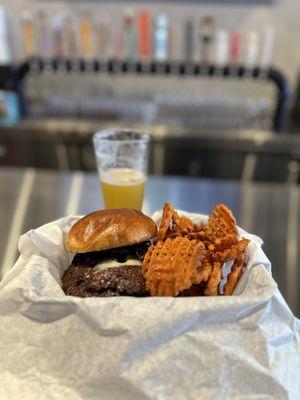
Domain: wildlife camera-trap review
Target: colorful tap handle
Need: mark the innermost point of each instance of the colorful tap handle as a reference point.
(28, 33)
(58, 39)
(207, 28)
(102, 37)
(129, 34)
(144, 35)
(252, 49)
(44, 41)
(188, 40)
(162, 37)
(69, 37)
(5, 42)
(268, 48)
(117, 40)
(235, 48)
(85, 33)
(221, 48)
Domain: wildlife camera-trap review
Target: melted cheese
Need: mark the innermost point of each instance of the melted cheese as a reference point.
(115, 264)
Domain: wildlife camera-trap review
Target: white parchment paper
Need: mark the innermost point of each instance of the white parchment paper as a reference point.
(53, 346)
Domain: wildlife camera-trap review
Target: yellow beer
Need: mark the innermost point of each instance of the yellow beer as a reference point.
(123, 188)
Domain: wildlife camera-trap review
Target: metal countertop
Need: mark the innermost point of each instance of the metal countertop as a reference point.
(30, 198)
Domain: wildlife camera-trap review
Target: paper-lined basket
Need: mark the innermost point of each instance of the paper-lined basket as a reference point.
(57, 346)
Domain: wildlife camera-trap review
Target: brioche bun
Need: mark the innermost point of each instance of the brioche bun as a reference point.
(108, 229)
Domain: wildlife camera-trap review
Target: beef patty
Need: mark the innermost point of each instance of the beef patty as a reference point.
(84, 280)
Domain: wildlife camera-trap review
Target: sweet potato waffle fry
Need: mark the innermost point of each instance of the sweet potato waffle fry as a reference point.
(232, 252)
(172, 266)
(189, 258)
(221, 244)
(212, 286)
(172, 225)
(166, 221)
(235, 274)
(221, 223)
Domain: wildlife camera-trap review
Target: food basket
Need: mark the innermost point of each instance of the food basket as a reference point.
(245, 346)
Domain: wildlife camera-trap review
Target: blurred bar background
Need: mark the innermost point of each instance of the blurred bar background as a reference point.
(193, 73)
(216, 83)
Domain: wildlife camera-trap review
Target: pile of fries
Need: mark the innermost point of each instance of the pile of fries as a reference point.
(187, 259)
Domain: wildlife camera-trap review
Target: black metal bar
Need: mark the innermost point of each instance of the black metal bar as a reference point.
(283, 99)
(6, 75)
(115, 66)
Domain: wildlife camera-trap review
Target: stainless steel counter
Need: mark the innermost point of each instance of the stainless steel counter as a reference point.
(30, 198)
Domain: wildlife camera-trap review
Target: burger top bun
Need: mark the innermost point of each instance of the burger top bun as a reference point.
(108, 229)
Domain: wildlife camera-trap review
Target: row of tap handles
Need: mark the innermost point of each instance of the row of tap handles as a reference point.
(139, 35)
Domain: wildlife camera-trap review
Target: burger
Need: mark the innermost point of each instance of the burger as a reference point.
(109, 247)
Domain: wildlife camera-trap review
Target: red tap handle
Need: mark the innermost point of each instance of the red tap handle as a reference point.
(235, 47)
(144, 34)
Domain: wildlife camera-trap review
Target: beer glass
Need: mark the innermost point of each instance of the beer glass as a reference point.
(122, 160)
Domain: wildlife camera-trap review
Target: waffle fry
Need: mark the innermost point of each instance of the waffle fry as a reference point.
(212, 286)
(173, 257)
(235, 274)
(183, 225)
(172, 225)
(221, 223)
(205, 270)
(233, 252)
(173, 266)
(221, 244)
(166, 220)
